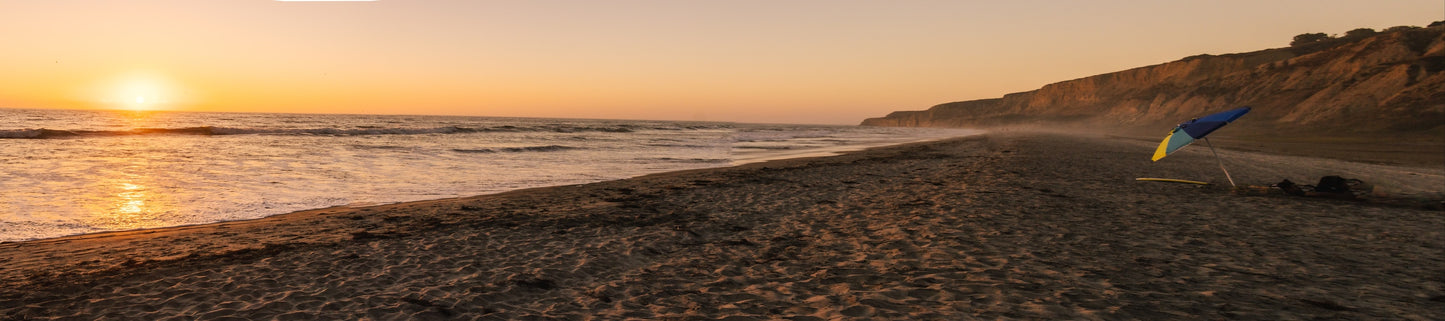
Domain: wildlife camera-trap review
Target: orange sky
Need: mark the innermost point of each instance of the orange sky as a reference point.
(833, 62)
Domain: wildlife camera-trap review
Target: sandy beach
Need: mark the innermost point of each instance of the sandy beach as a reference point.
(1007, 225)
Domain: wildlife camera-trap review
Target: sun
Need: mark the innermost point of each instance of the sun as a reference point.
(140, 92)
(143, 94)
(139, 103)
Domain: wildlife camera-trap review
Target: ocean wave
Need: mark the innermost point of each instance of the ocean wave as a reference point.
(764, 147)
(383, 147)
(680, 145)
(32, 133)
(45, 133)
(692, 160)
(546, 148)
(781, 134)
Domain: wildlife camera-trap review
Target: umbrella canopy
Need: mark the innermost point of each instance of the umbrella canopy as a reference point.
(1196, 128)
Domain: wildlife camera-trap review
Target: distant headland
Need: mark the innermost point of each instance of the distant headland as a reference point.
(1364, 83)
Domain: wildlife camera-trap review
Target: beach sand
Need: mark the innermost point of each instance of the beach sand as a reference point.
(997, 226)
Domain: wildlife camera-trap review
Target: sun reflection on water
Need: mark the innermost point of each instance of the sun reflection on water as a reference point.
(127, 202)
(132, 200)
(130, 192)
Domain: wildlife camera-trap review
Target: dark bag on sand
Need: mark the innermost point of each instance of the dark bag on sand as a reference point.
(1290, 188)
(1329, 186)
(1332, 184)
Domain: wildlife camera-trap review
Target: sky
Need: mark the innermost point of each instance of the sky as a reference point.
(755, 61)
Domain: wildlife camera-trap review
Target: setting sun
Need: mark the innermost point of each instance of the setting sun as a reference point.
(139, 91)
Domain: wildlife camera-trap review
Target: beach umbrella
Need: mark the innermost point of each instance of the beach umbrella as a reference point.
(1197, 128)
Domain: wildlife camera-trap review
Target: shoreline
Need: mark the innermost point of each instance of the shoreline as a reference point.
(821, 152)
(996, 225)
(188, 186)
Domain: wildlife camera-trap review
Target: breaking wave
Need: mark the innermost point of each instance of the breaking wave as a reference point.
(547, 148)
(692, 160)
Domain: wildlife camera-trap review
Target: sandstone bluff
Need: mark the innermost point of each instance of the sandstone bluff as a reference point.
(1385, 84)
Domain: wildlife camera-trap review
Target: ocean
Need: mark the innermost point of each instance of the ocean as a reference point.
(66, 172)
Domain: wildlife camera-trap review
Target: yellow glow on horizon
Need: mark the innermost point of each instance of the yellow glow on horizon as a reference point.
(139, 91)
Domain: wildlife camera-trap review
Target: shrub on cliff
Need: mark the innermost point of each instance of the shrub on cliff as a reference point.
(1359, 33)
(1401, 28)
(1307, 43)
(1309, 38)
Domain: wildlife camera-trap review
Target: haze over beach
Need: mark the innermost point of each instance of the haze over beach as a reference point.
(826, 62)
(699, 160)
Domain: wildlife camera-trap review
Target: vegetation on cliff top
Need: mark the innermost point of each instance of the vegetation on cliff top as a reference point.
(1361, 82)
(1307, 43)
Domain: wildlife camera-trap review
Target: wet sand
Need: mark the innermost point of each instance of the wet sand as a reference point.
(1000, 226)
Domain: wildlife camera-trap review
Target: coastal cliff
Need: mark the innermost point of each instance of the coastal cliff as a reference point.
(1386, 83)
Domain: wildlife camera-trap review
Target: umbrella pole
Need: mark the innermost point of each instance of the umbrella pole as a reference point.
(1221, 162)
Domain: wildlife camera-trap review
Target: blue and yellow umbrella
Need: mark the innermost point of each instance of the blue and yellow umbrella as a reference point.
(1197, 128)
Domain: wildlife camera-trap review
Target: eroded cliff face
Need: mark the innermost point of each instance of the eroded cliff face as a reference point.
(1389, 83)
